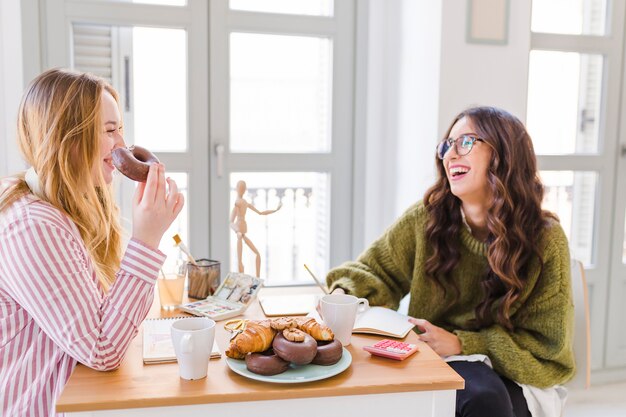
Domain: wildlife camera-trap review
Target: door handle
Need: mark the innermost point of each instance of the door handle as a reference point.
(219, 162)
(623, 152)
(127, 83)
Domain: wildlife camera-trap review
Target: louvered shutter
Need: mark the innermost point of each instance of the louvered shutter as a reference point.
(93, 50)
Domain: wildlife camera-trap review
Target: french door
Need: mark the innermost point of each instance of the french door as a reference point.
(155, 55)
(223, 91)
(281, 120)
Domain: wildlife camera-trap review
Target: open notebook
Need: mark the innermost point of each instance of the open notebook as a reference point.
(157, 341)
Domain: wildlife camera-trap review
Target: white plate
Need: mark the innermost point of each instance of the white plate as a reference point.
(295, 374)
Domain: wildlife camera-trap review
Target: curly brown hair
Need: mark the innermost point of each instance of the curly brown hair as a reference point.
(514, 218)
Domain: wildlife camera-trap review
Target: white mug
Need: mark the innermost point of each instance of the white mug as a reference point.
(193, 341)
(339, 313)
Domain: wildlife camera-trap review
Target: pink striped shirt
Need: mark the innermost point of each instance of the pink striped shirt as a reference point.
(53, 313)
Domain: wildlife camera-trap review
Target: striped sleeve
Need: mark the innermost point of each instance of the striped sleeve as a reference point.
(52, 278)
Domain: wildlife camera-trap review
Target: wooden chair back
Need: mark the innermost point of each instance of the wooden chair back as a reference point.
(582, 329)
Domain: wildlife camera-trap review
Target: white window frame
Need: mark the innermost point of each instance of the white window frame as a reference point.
(209, 231)
(10, 87)
(59, 15)
(338, 162)
(604, 163)
(616, 330)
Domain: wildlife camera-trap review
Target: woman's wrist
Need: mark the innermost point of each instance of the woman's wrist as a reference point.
(149, 243)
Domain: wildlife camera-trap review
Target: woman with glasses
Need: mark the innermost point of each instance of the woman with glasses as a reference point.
(487, 270)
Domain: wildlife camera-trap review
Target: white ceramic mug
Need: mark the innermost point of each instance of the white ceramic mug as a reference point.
(193, 340)
(339, 313)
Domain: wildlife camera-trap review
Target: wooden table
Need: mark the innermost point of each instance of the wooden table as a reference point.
(422, 385)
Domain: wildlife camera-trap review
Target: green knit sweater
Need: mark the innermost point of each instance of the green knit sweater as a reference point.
(537, 352)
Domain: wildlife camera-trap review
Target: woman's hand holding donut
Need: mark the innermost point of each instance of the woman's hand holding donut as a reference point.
(154, 208)
(440, 340)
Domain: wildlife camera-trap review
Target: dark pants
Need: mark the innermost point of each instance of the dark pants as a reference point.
(487, 394)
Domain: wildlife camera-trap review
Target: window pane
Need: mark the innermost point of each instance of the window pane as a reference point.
(296, 234)
(571, 195)
(564, 101)
(280, 93)
(180, 226)
(152, 62)
(572, 17)
(305, 7)
(160, 88)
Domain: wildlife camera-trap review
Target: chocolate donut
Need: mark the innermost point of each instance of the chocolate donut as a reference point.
(300, 353)
(328, 353)
(134, 162)
(266, 363)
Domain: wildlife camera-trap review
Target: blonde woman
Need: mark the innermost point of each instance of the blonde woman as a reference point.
(67, 294)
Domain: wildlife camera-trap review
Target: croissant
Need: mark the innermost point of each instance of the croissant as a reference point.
(257, 337)
(318, 331)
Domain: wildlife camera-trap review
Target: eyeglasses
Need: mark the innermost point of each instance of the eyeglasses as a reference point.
(462, 145)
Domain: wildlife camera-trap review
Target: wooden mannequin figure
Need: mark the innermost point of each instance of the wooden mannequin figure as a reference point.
(239, 225)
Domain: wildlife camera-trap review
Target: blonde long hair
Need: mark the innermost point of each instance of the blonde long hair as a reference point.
(59, 126)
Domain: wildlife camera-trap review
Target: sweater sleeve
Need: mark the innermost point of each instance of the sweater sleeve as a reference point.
(53, 279)
(382, 273)
(538, 351)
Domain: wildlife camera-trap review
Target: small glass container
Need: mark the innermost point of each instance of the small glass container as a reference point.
(171, 287)
(204, 278)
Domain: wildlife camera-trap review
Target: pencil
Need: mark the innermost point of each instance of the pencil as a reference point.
(317, 281)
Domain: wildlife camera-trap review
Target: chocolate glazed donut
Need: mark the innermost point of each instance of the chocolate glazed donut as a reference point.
(300, 353)
(266, 363)
(134, 162)
(328, 353)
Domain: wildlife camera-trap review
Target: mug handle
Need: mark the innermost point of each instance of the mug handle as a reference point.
(185, 344)
(363, 305)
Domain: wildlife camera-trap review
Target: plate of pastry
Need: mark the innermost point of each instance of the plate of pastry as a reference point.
(295, 373)
(285, 350)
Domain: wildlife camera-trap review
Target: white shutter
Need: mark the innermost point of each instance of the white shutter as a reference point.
(93, 50)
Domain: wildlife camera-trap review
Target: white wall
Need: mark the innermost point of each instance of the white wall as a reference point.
(421, 73)
(401, 109)
(11, 83)
(481, 74)
(418, 99)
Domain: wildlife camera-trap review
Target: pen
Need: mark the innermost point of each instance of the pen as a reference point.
(317, 281)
